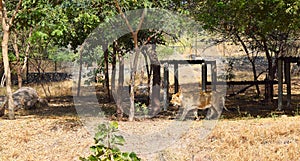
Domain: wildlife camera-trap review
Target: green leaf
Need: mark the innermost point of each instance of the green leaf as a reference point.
(114, 124)
(119, 139)
(100, 136)
(92, 158)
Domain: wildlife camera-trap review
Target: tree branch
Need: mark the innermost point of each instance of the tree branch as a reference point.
(27, 51)
(126, 20)
(3, 13)
(123, 16)
(150, 37)
(15, 13)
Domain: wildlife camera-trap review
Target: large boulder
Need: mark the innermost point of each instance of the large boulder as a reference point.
(24, 98)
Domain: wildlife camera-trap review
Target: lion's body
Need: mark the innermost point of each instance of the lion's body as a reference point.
(213, 101)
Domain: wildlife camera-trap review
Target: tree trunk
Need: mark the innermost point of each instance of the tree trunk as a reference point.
(155, 94)
(79, 74)
(135, 60)
(11, 113)
(25, 64)
(6, 23)
(149, 71)
(252, 61)
(255, 77)
(120, 88)
(132, 78)
(113, 73)
(19, 66)
(106, 72)
(269, 94)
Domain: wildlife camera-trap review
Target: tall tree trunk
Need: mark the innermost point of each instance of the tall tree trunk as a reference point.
(133, 73)
(271, 75)
(106, 70)
(255, 77)
(19, 65)
(6, 23)
(149, 71)
(79, 74)
(155, 94)
(26, 64)
(120, 88)
(11, 113)
(113, 73)
(135, 60)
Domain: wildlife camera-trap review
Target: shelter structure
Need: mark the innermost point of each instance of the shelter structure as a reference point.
(291, 55)
(175, 63)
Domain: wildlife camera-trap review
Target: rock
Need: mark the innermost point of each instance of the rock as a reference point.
(25, 98)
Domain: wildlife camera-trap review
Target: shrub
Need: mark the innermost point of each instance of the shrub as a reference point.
(106, 149)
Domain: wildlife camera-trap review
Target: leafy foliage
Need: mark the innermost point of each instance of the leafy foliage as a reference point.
(141, 108)
(106, 141)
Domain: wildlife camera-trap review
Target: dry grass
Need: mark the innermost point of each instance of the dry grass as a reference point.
(56, 133)
(257, 139)
(64, 138)
(33, 138)
(52, 89)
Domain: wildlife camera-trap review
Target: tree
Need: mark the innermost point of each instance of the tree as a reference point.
(6, 25)
(106, 11)
(141, 38)
(259, 26)
(81, 18)
(28, 21)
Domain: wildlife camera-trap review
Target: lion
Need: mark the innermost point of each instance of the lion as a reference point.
(212, 100)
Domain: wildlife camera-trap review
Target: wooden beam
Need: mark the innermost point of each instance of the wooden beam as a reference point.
(176, 77)
(214, 75)
(287, 75)
(204, 76)
(182, 61)
(242, 82)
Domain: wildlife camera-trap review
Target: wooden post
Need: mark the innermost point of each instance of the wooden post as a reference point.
(214, 75)
(176, 77)
(280, 84)
(204, 76)
(166, 86)
(287, 74)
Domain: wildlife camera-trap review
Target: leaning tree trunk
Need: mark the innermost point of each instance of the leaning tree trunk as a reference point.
(255, 77)
(252, 61)
(11, 113)
(149, 71)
